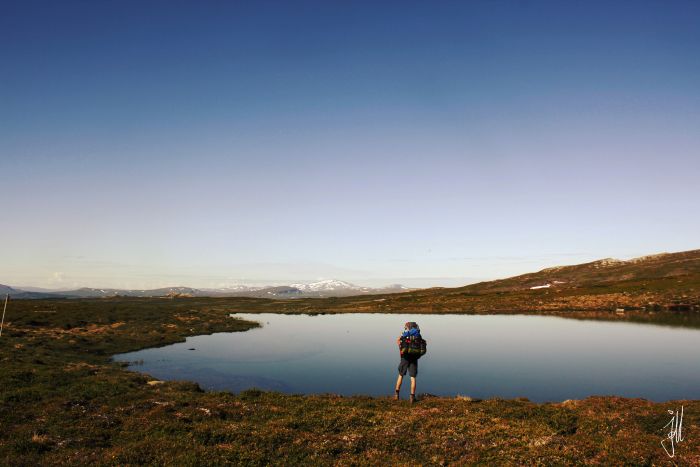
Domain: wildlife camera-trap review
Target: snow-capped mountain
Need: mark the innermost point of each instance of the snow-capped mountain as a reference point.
(323, 288)
(234, 288)
(328, 285)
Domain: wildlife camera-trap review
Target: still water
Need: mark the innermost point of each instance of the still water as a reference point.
(541, 358)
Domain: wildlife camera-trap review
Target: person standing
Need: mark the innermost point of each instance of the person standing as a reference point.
(412, 346)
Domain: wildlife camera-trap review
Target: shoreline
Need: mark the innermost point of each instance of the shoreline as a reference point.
(64, 401)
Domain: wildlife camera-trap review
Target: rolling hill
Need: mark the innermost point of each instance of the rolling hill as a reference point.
(601, 272)
(667, 281)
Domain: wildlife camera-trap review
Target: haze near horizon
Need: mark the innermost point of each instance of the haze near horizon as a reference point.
(162, 144)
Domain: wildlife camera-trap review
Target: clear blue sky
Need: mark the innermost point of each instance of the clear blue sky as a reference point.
(206, 143)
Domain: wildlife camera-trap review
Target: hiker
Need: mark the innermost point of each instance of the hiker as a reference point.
(412, 346)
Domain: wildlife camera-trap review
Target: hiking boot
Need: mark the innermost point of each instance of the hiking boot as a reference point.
(412, 399)
(396, 396)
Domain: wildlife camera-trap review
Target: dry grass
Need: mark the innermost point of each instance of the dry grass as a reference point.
(63, 402)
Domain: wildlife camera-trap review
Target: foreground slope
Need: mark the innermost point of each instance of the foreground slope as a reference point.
(62, 401)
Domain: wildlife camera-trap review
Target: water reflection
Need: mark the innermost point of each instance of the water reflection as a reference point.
(542, 358)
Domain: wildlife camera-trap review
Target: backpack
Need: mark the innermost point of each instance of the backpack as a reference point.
(413, 346)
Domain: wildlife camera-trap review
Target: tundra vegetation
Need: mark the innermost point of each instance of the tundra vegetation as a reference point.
(64, 401)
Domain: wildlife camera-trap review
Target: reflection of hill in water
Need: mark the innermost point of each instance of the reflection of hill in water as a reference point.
(687, 320)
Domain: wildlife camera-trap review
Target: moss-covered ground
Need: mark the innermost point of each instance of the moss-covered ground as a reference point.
(63, 401)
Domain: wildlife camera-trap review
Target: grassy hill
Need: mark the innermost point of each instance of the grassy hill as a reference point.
(664, 282)
(602, 272)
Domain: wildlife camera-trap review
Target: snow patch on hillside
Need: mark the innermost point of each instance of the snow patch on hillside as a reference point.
(326, 285)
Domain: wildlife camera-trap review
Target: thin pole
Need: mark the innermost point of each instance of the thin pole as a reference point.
(7, 297)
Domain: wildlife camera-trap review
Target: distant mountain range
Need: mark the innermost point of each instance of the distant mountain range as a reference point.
(324, 288)
(17, 293)
(662, 281)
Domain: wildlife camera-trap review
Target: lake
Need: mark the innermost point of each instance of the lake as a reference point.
(539, 357)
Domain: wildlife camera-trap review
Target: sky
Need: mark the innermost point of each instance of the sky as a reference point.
(148, 144)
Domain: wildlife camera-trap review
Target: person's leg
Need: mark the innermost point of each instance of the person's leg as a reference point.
(413, 372)
(403, 367)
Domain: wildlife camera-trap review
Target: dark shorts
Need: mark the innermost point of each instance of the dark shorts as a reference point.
(410, 365)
